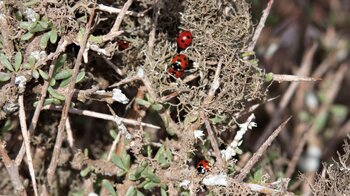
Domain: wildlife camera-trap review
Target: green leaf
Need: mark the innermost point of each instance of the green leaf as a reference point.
(36, 28)
(135, 174)
(85, 172)
(43, 74)
(18, 60)
(25, 25)
(149, 98)
(268, 77)
(218, 119)
(150, 185)
(4, 76)
(64, 74)
(53, 36)
(44, 40)
(60, 61)
(339, 111)
(65, 82)
(191, 118)
(27, 36)
(5, 62)
(43, 24)
(321, 121)
(157, 107)
(55, 94)
(80, 76)
(139, 193)
(256, 178)
(163, 192)
(35, 74)
(143, 102)
(118, 162)
(148, 173)
(113, 134)
(52, 82)
(31, 61)
(131, 191)
(164, 157)
(106, 184)
(27, 66)
(126, 160)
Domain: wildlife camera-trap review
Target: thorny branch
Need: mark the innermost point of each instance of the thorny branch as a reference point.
(260, 26)
(56, 152)
(257, 155)
(115, 29)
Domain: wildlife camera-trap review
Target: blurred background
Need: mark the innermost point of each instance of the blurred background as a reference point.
(304, 38)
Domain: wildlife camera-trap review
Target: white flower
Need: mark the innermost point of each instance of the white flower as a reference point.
(184, 183)
(20, 81)
(228, 153)
(119, 96)
(198, 134)
(140, 72)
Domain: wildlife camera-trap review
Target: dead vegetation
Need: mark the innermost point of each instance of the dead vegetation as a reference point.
(125, 126)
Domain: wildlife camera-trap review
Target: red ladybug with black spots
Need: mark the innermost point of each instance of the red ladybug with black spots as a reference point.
(178, 65)
(203, 166)
(184, 40)
(122, 45)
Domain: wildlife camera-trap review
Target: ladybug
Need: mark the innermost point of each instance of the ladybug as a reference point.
(203, 166)
(178, 65)
(184, 40)
(122, 45)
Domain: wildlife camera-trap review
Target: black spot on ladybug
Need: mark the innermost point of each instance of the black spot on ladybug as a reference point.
(189, 37)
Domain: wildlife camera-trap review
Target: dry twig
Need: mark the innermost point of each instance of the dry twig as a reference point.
(36, 114)
(260, 26)
(12, 169)
(100, 116)
(213, 140)
(113, 10)
(22, 120)
(257, 155)
(56, 152)
(152, 34)
(303, 71)
(114, 32)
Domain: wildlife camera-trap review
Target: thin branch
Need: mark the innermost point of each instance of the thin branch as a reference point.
(252, 108)
(293, 78)
(100, 116)
(22, 120)
(260, 26)
(12, 169)
(257, 155)
(215, 85)
(212, 139)
(69, 133)
(125, 81)
(36, 114)
(114, 32)
(152, 33)
(303, 71)
(64, 42)
(59, 138)
(113, 10)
